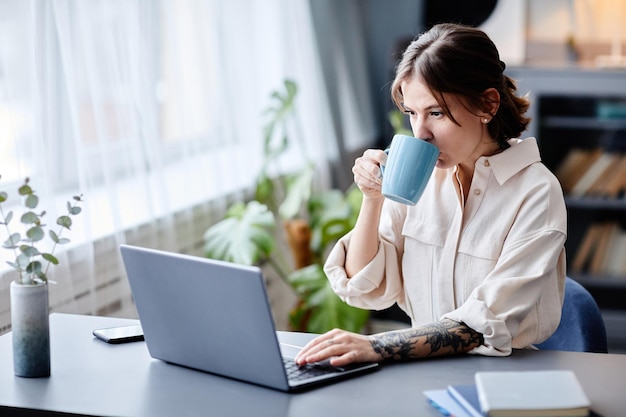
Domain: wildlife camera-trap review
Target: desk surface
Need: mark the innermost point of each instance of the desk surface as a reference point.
(90, 377)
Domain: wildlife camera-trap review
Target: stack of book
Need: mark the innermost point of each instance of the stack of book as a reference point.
(593, 173)
(601, 252)
(514, 394)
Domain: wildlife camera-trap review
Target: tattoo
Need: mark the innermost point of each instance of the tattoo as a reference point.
(442, 338)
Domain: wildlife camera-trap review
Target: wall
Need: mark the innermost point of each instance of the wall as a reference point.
(387, 22)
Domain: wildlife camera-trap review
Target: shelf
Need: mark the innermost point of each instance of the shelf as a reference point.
(588, 123)
(608, 291)
(569, 122)
(606, 282)
(596, 203)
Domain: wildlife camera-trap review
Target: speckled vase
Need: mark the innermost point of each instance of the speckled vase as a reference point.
(30, 328)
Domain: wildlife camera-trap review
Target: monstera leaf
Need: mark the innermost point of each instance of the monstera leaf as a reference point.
(244, 236)
(312, 223)
(333, 214)
(298, 192)
(320, 309)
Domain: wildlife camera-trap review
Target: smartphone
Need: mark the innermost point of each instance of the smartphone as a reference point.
(121, 334)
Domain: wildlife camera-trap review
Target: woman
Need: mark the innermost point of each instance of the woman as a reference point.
(478, 263)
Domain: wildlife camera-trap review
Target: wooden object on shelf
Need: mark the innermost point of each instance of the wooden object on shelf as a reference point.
(592, 174)
(617, 183)
(602, 251)
(565, 171)
(599, 187)
(587, 248)
(599, 257)
(574, 167)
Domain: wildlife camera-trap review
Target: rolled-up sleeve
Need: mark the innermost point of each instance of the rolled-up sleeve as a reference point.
(375, 287)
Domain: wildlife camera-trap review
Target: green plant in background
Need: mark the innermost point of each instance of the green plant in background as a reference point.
(397, 120)
(311, 223)
(28, 258)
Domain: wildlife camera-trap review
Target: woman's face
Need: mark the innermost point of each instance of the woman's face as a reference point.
(458, 145)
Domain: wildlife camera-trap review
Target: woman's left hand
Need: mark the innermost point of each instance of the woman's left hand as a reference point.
(341, 347)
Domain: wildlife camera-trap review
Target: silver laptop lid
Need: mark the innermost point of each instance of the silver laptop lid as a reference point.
(205, 314)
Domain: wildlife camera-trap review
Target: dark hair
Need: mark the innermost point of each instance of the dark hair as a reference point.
(462, 60)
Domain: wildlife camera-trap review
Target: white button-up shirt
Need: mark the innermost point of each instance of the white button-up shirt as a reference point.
(497, 264)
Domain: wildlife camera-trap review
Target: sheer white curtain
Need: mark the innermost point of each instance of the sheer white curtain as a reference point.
(153, 111)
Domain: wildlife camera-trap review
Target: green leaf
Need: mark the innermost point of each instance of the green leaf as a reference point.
(34, 267)
(23, 261)
(8, 218)
(25, 189)
(322, 309)
(35, 234)
(3, 196)
(29, 250)
(264, 189)
(331, 230)
(272, 148)
(335, 313)
(298, 192)
(308, 280)
(12, 241)
(64, 221)
(14, 265)
(396, 119)
(292, 89)
(42, 278)
(74, 210)
(278, 120)
(333, 214)
(30, 218)
(31, 201)
(50, 258)
(56, 239)
(244, 236)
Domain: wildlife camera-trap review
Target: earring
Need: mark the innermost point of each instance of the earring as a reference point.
(485, 120)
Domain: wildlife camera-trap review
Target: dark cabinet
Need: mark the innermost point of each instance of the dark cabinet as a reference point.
(583, 140)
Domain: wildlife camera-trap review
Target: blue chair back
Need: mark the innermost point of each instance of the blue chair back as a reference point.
(582, 328)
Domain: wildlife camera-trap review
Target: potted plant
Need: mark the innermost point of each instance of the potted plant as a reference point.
(310, 223)
(29, 291)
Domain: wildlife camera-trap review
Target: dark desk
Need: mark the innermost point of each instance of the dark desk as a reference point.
(90, 377)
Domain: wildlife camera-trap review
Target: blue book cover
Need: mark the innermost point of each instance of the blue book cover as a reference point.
(467, 397)
(443, 402)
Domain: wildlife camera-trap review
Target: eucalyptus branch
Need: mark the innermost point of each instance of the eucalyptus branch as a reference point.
(5, 221)
(64, 222)
(27, 263)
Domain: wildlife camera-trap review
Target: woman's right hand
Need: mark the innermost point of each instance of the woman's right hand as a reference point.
(367, 173)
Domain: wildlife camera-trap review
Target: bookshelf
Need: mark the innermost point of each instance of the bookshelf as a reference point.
(579, 119)
(583, 141)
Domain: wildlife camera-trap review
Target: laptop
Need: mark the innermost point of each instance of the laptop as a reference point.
(215, 317)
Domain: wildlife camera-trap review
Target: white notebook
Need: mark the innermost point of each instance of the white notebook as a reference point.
(531, 393)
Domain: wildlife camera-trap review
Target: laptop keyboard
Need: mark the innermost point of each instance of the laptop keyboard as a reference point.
(298, 373)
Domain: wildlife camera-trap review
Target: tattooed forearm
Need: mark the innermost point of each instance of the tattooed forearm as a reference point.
(442, 338)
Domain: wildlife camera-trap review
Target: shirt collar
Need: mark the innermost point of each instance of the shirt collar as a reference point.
(512, 160)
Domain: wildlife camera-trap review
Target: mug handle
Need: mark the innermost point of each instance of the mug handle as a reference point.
(382, 167)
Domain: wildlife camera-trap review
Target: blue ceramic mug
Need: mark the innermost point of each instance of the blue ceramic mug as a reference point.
(410, 163)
